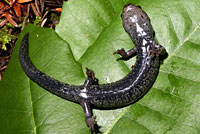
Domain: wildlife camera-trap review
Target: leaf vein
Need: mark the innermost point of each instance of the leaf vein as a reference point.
(164, 115)
(167, 72)
(49, 113)
(181, 44)
(184, 58)
(132, 119)
(32, 109)
(44, 94)
(125, 110)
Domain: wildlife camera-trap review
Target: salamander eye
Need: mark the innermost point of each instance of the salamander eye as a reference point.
(139, 7)
(121, 15)
(142, 16)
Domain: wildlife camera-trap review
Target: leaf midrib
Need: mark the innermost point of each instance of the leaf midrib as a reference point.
(31, 104)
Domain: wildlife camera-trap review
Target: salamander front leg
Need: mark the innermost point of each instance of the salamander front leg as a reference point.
(126, 55)
(89, 119)
(91, 79)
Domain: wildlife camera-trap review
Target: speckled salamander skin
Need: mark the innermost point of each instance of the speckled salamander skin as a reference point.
(117, 94)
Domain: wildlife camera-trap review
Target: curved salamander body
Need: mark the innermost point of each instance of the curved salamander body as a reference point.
(117, 94)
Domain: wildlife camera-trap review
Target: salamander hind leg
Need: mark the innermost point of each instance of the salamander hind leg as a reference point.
(126, 55)
(157, 50)
(162, 51)
(89, 119)
(91, 79)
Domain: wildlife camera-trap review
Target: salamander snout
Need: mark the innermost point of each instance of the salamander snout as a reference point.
(135, 20)
(136, 12)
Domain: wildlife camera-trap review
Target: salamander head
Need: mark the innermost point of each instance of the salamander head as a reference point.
(136, 22)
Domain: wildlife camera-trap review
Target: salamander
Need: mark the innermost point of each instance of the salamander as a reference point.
(117, 94)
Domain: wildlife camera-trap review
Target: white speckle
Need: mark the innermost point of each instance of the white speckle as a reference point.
(144, 42)
(148, 48)
(108, 79)
(144, 50)
(128, 8)
(84, 90)
(140, 30)
(134, 19)
(84, 93)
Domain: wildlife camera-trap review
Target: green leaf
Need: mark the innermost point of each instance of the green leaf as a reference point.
(87, 35)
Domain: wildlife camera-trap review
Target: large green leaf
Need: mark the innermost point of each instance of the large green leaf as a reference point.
(87, 35)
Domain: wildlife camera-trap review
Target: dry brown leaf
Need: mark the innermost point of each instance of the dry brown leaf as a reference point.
(3, 22)
(17, 9)
(9, 18)
(23, 1)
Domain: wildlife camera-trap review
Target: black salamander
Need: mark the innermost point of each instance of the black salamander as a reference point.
(121, 93)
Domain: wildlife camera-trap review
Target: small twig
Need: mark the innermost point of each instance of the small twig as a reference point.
(44, 16)
(3, 22)
(35, 10)
(9, 18)
(25, 18)
(4, 9)
(37, 7)
(3, 68)
(43, 22)
(42, 6)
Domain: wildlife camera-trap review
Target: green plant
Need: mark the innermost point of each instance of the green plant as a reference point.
(5, 37)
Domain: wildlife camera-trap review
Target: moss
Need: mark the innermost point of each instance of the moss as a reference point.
(5, 37)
